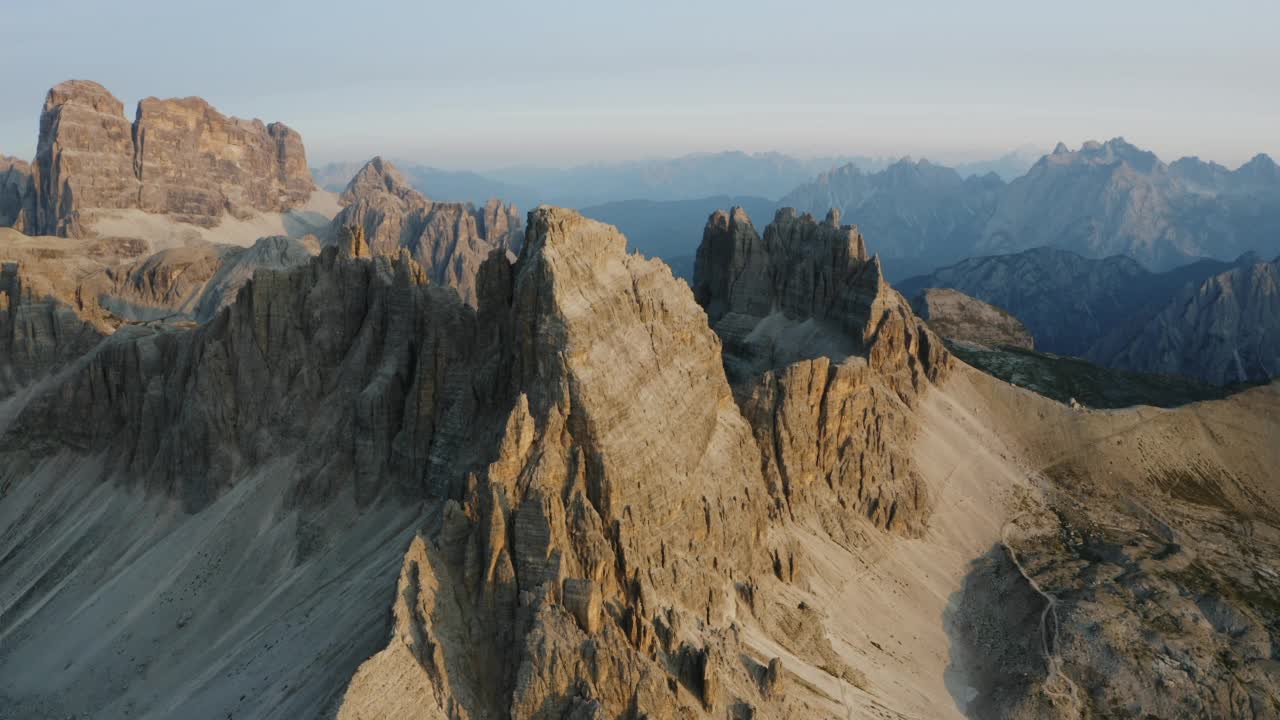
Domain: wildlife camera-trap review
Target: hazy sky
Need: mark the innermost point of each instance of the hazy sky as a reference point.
(484, 84)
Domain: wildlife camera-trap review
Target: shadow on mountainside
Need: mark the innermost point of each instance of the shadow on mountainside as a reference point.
(993, 622)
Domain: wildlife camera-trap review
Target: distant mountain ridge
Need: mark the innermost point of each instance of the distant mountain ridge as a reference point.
(1211, 320)
(1104, 199)
(1225, 329)
(436, 183)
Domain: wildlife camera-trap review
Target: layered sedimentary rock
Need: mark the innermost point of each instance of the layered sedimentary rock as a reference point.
(84, 157)
(17, 195)
(598, 523)
(180, 158)
(196, 164)
(825, 359)
(449, 240)
(44, 321)
(558, 584)
(956, 316)
(572, 498)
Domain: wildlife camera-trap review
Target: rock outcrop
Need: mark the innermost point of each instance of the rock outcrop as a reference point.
(180, 158)
(46, 322)
(61, 297)
(17, 195)
(449, 240)
(553, 587)
(816, 344)
(956, 316)
(572, 497)
(189, 283)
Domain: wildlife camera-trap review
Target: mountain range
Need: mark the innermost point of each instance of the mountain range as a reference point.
(1104, 199)
(1210, 320)
(425, 459)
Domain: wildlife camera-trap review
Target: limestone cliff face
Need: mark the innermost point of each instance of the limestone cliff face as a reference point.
(571, 498)
(957, 316)
(179, 157)
(825, 359)
(17, 195)
(449, 240)
(195, 164)
(40, 329)
(328, 345)
(84, 157)
(611, 487)
(801, 267)
(60, 297)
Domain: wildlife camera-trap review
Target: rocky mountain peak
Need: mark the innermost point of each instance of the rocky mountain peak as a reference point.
(179, 157)
(83, 93)
(808, 322)
(1260, 168)
(449, 241)
(799, 266)
(380, 176)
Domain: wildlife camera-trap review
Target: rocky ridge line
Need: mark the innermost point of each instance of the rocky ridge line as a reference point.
(449, 240)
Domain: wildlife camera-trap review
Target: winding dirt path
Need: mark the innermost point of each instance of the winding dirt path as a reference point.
(1048, 635)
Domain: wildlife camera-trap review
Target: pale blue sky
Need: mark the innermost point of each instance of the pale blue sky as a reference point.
(485, 84)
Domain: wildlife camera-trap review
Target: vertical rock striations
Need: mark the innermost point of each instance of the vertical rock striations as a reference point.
(40, 327)
(597, 533)
(179, 157)
(561, 572)
(449, 240)
(825, 359)
(196, 164)
(84, 157)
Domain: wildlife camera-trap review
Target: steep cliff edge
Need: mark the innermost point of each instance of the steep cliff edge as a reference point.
(179, 158)
(826, 360)
(59, 297)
